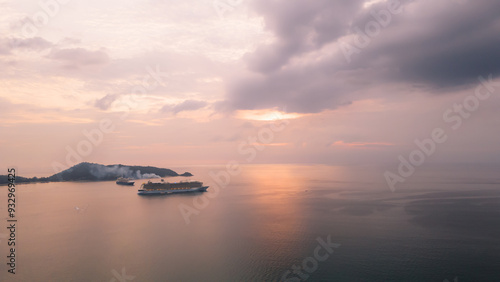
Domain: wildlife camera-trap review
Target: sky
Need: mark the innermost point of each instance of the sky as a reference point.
(174, 83)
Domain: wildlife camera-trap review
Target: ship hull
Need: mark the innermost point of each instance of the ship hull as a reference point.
(125, 183)
(166, 192)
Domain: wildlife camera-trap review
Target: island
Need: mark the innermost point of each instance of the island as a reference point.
(97, 172)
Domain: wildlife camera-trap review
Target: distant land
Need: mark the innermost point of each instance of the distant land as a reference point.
(98, 172)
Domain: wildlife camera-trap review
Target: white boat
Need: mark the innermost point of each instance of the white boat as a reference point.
(163, 188)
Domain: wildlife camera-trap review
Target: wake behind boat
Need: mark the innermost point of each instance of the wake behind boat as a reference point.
(161, 188)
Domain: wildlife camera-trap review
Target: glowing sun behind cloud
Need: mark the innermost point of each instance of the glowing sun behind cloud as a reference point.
(266, 115)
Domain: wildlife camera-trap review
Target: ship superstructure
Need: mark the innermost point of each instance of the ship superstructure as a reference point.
(162, 187)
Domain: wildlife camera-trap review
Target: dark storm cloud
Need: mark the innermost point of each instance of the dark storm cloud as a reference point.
(300, 26)
(435, 45)
(305, 91)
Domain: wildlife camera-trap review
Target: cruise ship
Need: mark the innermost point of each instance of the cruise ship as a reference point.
(124, 181)
(161, 188)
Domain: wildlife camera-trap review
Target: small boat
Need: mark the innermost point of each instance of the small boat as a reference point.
(124, 181)
(162, 188)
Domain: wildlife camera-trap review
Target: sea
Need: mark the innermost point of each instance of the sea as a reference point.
(270, 222)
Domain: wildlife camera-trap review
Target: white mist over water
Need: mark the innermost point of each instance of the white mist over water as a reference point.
(103, 172)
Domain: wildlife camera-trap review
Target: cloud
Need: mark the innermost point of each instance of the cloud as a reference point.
(360, 144)
(299, 27)
(105, 102)
(70, 41)
(79, 57)
(436, 46)
(188, 105)
(7, 45)
(5, 106)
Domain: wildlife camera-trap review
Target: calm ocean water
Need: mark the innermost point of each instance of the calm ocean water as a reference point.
(441, 224)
